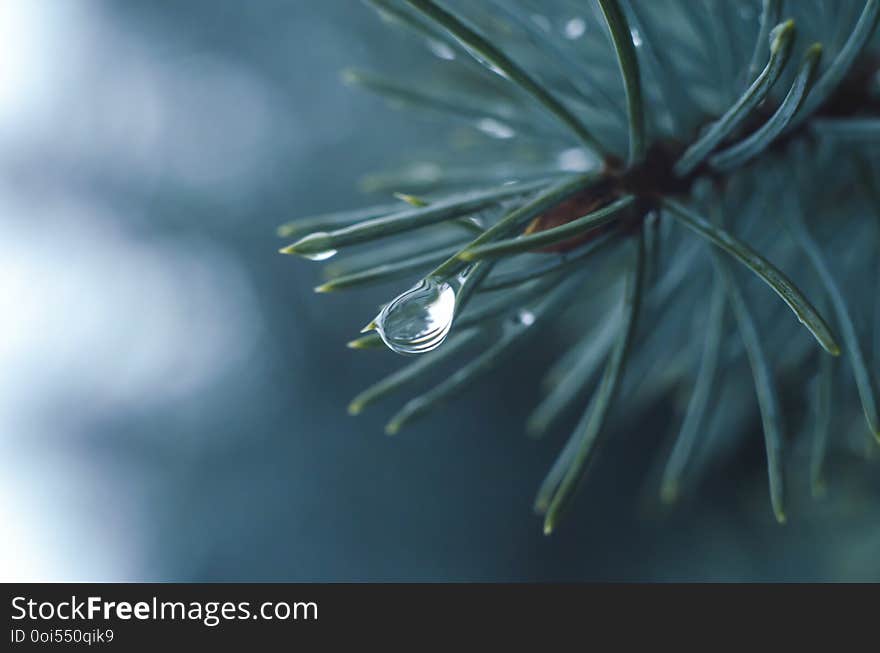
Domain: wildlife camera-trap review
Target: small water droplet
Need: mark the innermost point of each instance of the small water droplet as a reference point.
(495, 128)
(576, 159)
(575, 28)
(526, 318)
(441, 50)
(419, 319)
(319, 256)
(636, 37)
(475, 220)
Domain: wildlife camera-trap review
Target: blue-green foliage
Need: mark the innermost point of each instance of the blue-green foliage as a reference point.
(689, 110)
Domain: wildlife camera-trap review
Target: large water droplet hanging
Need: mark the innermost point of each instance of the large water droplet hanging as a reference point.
(419, 319)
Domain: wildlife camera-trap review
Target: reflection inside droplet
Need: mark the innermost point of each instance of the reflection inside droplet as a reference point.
(419, 319)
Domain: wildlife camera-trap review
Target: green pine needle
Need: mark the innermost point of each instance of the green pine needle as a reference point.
(771, 12)
(822, 401)
(519, 216)
(466, 109)
(406, 220)
(578, 373)
(420, 369)
(765, 388)
(844, 60)
(672, 88)
(768, 273)
(762, 138)
(696, 409)
(589, 429)
(334, 220)
(863, 377)
(560, 263)
(621, 36)
(780, 47)
(515, 334)
(551, 236)
(386, 271)
(480, 46)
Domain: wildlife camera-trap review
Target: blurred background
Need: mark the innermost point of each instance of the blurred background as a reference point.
(172, 393)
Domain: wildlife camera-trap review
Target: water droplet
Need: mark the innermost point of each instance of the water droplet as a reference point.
(441, 50)
(575, 28)
(419, 319)
(318, 256)
(636, 37)
(495, 128)
(576, 159)
(472, 220)
(477, 220)
(526, 318)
